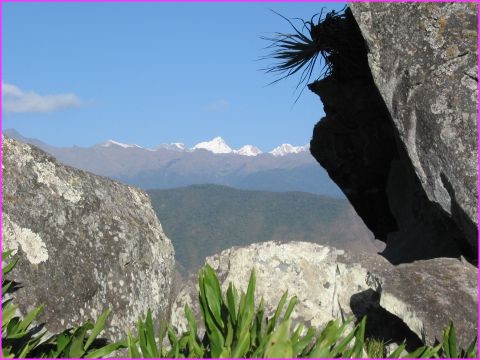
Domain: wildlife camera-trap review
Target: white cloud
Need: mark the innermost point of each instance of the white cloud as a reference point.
(15, 100)
(217, 105)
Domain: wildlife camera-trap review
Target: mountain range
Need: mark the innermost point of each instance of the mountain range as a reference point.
(285, 168)
(216, 146)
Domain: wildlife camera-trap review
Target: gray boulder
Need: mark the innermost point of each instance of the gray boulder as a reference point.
(400, 132)
(408, 301)
(423, 58)
(86, 243)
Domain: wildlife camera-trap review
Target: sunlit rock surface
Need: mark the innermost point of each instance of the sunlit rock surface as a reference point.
(86, 243)
(404, 301)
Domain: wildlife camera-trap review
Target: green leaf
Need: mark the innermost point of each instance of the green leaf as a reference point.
(6, 352)
(450, 342)
(62, 340)
(397, 352)
(27, 320)
(6, 254)
(213, 294)
(242, 346)
(259, 321)
(417, 353)
(359, 339)
(9, 267)
(300, 347)
(232, 298)
(76, 345)
(229, 337)
(142, 339)
(217, 342)
(296, 333)
(339, 348)
(132, 347)
(32, 344)
(249, 308)
(5, 287)
(150, 335)
(472, 350)
(8, 312)
(175, 350)
(106, 350)
(12, 327)
(225, 353)
(280, 345)
(272, 322)
(192, 324)
(291, 305)
(97, 328)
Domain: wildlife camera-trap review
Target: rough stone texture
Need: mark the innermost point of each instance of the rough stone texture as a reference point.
(423, 58)
(86, 243)
(413, 187)
(424, 294)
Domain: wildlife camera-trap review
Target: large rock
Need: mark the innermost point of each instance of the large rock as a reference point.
(405, 301)
(423, 58)
(86, 243)
(399, 135)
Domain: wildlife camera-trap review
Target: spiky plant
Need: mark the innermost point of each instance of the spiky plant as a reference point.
(301, 49)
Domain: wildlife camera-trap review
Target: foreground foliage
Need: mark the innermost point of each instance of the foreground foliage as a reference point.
(301, 49)
(233, 327)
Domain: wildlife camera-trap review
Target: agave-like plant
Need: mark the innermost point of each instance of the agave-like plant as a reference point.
(235, 328)
(301, 49)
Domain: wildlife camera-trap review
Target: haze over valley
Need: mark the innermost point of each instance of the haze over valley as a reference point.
(211, 197)
(284, 168)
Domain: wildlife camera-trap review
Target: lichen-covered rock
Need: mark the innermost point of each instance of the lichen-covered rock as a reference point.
(86, 243)
(423, 58)
(330, 282)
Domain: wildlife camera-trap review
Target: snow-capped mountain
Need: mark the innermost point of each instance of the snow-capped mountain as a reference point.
(110, 143)
(173, 165)
(173, 146)
(217, 146)
(248, 150)
(285, 149)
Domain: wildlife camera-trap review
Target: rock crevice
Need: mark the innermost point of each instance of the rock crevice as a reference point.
(399, 136)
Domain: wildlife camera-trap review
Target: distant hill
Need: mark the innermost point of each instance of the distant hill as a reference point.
(204, 219)
(286, 168)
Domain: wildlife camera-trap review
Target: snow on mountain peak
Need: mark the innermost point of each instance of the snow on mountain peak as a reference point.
(285, 149)
(217, 146)
(110, 143)
(248, 150)
(172, 146)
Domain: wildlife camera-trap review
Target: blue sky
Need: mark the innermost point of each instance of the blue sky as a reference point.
(149, 73)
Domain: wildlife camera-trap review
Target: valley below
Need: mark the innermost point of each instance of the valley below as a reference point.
(202, 220)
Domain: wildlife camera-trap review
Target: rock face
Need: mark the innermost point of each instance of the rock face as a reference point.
(400, 134)
(426, 71)
(86, 243)
(404, 301)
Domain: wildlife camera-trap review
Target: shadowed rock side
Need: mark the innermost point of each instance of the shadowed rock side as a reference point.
(397, 163)
(423, 58)
(86, 243)
(406, 301)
